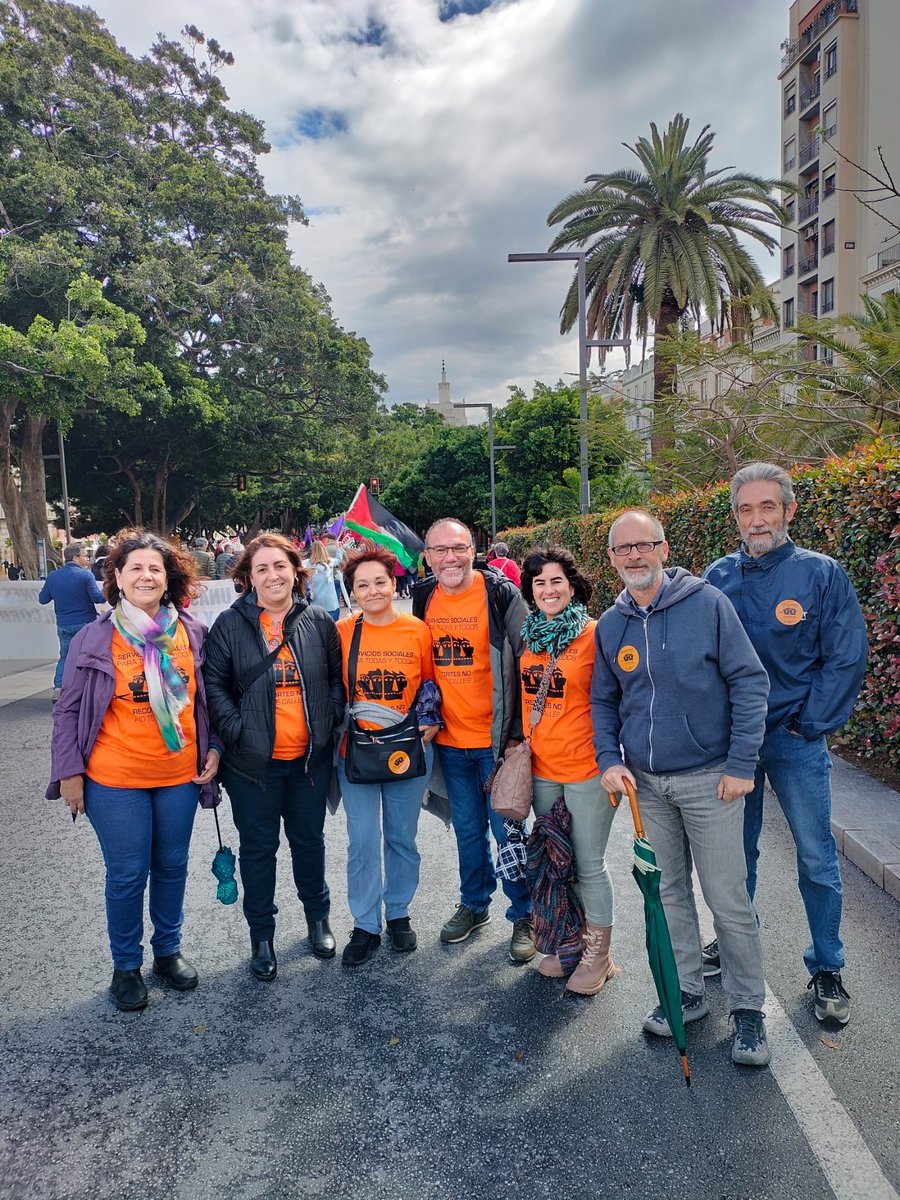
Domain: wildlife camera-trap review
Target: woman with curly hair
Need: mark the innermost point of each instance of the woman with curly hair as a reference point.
(563, 762)
(132, 750)
(273, 673)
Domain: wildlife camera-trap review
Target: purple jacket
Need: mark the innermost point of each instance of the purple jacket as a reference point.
(89, 682)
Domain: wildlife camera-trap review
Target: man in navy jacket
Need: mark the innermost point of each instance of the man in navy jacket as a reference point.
(803, 618)
(74, 592)
(679, 689)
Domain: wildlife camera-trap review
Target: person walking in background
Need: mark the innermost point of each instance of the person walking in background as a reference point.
(563, 762)
(132, 749)
(99, 563)
(206, 564)
(678, 687)
(226, 559)
(802, 615)
(273, 676)
(74, 592)
(322, 584)
(498, 557)
(475, 619)
(389, 655)
(401, 578)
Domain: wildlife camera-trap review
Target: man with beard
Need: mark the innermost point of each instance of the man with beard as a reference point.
(678, 687)
(803, 618)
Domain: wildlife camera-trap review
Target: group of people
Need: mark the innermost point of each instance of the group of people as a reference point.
(692, 689)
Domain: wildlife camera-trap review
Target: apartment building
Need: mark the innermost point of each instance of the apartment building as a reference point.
(840, 97)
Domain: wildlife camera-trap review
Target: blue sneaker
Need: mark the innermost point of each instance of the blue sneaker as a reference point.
(750, 1047)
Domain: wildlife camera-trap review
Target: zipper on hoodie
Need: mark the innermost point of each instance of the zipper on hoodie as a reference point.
(652, 690)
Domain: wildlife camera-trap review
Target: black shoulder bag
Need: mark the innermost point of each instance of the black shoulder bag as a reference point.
(380, 755)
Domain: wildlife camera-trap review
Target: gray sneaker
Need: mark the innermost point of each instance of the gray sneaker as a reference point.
(709, 956)
(463, 921)
(692, 1009)
(832, 1000)
(749, 1048)
(521, 946)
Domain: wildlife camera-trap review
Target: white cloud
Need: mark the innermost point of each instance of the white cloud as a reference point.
(460, 136)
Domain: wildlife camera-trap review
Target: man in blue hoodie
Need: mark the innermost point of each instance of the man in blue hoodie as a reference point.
(74, 592)
(803, 618)
(678, 687)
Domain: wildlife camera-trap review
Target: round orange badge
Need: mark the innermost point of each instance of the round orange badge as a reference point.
(628, 658)
(398, 763)
(789, 612)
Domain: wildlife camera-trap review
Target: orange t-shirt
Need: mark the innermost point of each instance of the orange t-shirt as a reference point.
(392, 662)
(291, 730)
(462, 665)
(129, 750)
(562, 747)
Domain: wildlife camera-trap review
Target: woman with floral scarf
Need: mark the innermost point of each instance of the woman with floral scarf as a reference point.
(558, 628)
(131, 750)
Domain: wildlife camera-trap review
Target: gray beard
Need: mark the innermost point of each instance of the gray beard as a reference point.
(641, 581)
(765, 543)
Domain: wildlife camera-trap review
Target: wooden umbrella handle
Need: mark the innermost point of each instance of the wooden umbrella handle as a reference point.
(633, 802)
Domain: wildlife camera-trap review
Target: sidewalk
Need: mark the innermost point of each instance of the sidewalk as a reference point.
(865, 815)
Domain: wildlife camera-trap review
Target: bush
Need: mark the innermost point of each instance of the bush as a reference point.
(848, 508)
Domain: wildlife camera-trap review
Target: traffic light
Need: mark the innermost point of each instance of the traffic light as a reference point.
(374, 485)
(242, 483)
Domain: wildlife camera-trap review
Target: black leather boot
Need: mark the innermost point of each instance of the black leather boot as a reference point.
(129, 992)
(177, 970)
(262, 961)
(322, 938)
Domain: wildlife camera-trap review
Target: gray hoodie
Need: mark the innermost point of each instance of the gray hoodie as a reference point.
(679, 687)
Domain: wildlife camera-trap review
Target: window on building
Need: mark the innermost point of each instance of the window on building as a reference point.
(828, 238)
(790, 99)
(812, 304)
(831, 60)
(791, 211)
(827, 295)
(790, 154)
(829, 180)
(826, 354)
(789, 260)
(701, 391)
(787, 313)
(829, 119)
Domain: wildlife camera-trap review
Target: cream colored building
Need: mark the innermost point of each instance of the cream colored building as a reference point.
(840, 99)
(444, 404)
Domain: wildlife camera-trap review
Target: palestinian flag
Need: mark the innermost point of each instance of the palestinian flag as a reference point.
(367, 518)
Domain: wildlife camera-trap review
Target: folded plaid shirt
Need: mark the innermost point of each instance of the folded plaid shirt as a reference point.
(512, 856)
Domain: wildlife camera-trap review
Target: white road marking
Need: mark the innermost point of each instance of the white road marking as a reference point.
(26, 683)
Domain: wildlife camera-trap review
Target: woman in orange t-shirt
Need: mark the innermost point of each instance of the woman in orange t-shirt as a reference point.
(393, 669)
(131, 749)
(563, 762)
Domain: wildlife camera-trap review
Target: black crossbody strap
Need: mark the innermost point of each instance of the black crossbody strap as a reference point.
(266, 661)
(352, 659)
(537, 709)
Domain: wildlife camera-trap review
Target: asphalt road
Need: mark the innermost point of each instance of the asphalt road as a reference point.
(447, 1074)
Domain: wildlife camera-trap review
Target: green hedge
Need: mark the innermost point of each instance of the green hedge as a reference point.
(848, 508)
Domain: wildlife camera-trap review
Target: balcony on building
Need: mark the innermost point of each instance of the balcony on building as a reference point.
(808, 264)
(810, 35)
(807, 210)
(810, 95)
(809, 154)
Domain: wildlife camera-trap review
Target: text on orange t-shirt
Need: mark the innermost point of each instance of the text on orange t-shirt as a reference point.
(562, 747)
(291, 730)
(461, 649)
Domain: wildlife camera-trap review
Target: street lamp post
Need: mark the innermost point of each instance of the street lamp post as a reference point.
(491, 449)
(577, 256)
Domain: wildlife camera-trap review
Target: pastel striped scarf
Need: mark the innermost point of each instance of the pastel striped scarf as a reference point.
(154, 640)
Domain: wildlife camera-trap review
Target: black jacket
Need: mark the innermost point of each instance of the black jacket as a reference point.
(245, 719)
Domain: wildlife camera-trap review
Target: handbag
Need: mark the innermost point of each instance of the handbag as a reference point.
(380, 755)
(510, 785)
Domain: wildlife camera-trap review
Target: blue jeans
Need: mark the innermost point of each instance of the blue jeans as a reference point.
(298, 799)
(800, 774)
(473, 821)
(401, 802)
(143, 833)
(688, 824)
(65, 633)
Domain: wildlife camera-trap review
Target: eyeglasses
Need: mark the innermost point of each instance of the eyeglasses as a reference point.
(443, 551)
(642, 547)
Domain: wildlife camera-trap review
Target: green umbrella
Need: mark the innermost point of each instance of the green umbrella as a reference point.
(659, 944)
(223, 869)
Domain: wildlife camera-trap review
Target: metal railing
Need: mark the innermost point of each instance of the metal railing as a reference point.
(790, 163)
(827, 306)
(813, 31)
(788, 269)
(811, 93)
(809, 152)
(891, 255)
(808, 264)
(809, 209)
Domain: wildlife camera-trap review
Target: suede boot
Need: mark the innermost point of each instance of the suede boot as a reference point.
(596, 965)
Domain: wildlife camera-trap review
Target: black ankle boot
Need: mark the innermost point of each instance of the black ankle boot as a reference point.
(129, 992)
(262, 961)
(322, 938)
(177, 970)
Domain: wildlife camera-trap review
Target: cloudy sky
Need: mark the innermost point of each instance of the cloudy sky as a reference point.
(429, 138)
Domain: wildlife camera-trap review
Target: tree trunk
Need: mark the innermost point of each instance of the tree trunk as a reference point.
(14, 509)
(665, 372)
(34, 482)
(160, 488)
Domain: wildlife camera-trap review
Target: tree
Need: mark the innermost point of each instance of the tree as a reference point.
(664, 241)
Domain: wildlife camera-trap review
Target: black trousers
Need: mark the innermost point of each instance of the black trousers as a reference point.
(297, 799)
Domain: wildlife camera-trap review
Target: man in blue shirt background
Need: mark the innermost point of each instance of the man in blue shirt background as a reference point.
(802, 615)
(74, 592)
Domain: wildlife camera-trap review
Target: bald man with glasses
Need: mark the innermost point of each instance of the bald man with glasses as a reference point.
(475, 618)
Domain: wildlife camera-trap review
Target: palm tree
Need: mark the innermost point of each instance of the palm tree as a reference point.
(663, 242)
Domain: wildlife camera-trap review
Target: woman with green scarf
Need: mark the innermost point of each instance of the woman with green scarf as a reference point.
(563, 764)
(132, 750)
